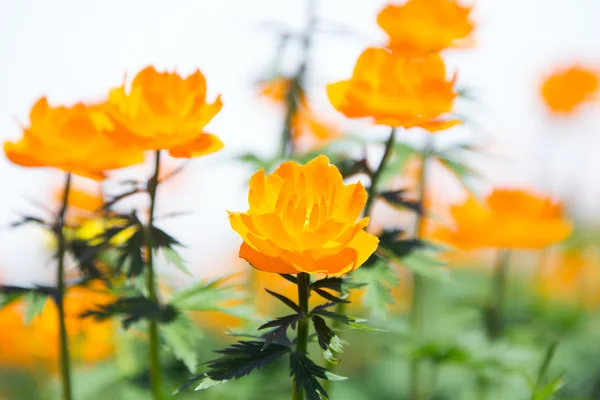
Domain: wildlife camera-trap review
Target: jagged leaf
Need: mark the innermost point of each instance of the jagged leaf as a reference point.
(398, 198)
(279, 334)
(306, 375)
(285, 300)
(133, 309)
(181, 336)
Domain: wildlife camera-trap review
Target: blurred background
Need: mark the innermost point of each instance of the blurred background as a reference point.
(74, 50)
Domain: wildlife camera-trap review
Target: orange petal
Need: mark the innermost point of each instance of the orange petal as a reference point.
(263, 262)
(202, 145)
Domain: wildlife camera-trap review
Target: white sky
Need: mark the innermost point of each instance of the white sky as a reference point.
(74, 50)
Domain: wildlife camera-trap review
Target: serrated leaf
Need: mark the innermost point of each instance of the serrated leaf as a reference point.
(241, 358)
(208, 383)
(427, 264)
(288, 302)
(397, 198)
(329, 342)
(173, 257)
(331, 297)
(132, 309)
(379, 279)
(279, 334)
(34, 303)
(181, 336)
(306, 375)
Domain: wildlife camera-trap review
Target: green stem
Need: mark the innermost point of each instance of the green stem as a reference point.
(155, 373)
(496, 320)
(372, 194)
(387, 152)
(65, 361)
(295, 92)
(419, 285)
(303, 325)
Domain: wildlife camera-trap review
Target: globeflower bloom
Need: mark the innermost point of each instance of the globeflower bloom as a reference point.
(397, 90)
(508, 219)
(567, 89)
(305, 122)
(68, 138)
(304, 219)
(426, 26)
(163, 111)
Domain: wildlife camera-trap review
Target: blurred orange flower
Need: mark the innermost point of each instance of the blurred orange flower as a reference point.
(305, 121)
(303, 219)
(568, 88)
(572, 276)
(509, 219)
(67, 138)
(36, 344)
(397, 90)
(163, 111)
(426, 26)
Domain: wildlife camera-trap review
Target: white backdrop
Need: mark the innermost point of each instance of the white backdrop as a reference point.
(75, 50)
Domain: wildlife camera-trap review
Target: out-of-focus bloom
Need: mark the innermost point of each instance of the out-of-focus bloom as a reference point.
(68, 138)
(36, 344)
(426, 26)
(305, 122)
(509, 219)
(568, 88)
(304, 219)
(572, 276)
(163, 111)
(397, 90)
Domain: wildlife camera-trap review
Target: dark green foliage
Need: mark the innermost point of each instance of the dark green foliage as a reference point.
(324, 333)
(398, 198)
(241, 358)
(285, 301)
(306, 375)
(279, 334)
(133, 309)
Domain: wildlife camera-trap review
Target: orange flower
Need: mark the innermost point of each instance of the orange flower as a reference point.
(305, 121)
(163, 111)
(397, 90)
(508, 219)
(566, 89)
(37, 343)
(303, 219)
(67, 138)
(426, 26)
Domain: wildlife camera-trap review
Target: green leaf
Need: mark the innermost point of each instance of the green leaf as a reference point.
(426, 263)
(379, 280)
(285, 300)
(397, 198)
(279, 334)
(133, 309)
(241, 358)
(216, 295)
(328, 296)
(306, 375)
(181, 336)
(35, 303)
(329, 342)
(173, 257)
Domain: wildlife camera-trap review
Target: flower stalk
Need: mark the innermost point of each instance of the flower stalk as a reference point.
(303, 324)
(65, 360)
(154, 361)
(496, 324)
(417, 315)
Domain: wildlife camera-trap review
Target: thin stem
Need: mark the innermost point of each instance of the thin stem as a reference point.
(65, 360)
(295, 94)
(372, 194)
(496, 320)
(303, 325)
(419, 285)
(155, 373)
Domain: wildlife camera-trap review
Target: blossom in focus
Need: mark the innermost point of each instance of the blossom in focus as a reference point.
(305, 122)
(426, 26)
(303, 218)
(397, 90)
(69, 139)
(567, 89)
(163, 111)
(509, 218)
(36, 344)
